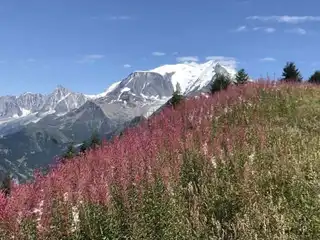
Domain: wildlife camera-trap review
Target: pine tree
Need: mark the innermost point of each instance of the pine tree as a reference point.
(220, 82)
(95, 140)
(83, 147)
(70, 153)
(242, 77)
(315, 77)
(176, 96)
(5, 186)
(291, 73)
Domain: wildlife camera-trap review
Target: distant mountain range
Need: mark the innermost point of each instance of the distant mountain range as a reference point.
(35, 127)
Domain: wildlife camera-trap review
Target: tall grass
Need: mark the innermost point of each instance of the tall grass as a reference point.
(241, 164)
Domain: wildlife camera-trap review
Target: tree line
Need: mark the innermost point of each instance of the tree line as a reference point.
(92, 143)
(220, 81)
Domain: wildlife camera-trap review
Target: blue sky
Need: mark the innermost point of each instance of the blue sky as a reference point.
(85, 45)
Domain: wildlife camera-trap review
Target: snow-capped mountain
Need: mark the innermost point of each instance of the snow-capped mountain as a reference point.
(60, 101)
(141, 86)
(139, 90)
(193, 76)
(36, 127)
(161, 82)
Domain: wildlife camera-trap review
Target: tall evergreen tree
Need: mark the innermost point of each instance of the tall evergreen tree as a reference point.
(220, 82)
(70, 153)
(178, 88)
(5, 186)
(95, 140)
(242, 77)
(176, 96)
(84, 147)
(315, 77)
(291, 73)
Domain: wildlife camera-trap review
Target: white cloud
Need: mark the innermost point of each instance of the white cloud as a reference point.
(127, 66)
(299, 31)
(187, 59)
(268, 59)
(269, 30)
(158, 54)
(227, 61)
(94, 56)
(241, 28)
(91, 58)
(286, 19)
(265, 29)
(119, 18)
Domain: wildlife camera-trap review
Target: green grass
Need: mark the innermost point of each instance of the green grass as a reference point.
(267, 187)
(263, 183)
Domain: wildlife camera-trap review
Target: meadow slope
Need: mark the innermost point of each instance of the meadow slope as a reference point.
(241, 164)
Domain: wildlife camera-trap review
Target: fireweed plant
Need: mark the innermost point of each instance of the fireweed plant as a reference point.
(242, 163)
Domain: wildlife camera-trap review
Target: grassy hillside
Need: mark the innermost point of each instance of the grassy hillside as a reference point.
(241, 164)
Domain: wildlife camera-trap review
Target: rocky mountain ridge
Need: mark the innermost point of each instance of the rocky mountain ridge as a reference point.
(36, 127)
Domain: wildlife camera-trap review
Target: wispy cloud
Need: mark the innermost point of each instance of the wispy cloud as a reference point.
(265, 29)
(120, 18)
(127, 66)
(175, 53)
(91, 58)
(227, 61)
(299, 31)
(269, 30)
(158, 54)
(286, 19)
(241, 28)
(256, 28)
(268, 59)
(187, 59)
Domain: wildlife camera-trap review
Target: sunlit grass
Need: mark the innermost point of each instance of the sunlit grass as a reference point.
(241, 164)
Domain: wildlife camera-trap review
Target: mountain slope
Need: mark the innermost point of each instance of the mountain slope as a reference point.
(69, 117)
(241, 164)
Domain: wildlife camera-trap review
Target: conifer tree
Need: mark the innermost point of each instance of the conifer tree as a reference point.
(242, 77)
(220, 82)
(315, 77)
(176, 96)
(95, 140)
(84, 147)
(70, 153)
(291, 73)
(5, 186)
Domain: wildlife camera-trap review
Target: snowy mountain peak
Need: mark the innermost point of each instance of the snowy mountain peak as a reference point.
(141, 86)
(191, 75)
(60, 90)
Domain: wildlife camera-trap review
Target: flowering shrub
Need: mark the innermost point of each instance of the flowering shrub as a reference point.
(240, 164)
